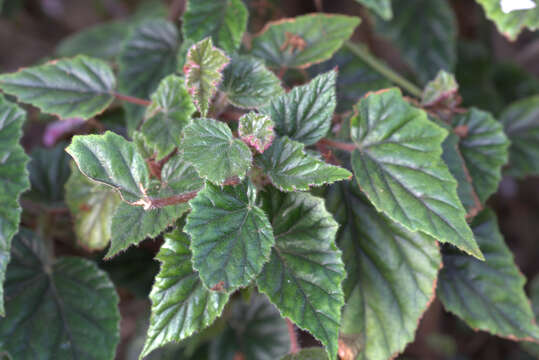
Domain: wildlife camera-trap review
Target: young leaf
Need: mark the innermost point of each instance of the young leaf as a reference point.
(484, 149)
(247, 82)
(511, 23)
(425, 31)
(398, 165)
(231, 237)
(78, 87)
(521, 124)
(391, 278)
(304, 114)
(68, 308)
(113, 161)
(304, 274)
(13, 181)
(202, 70)
(224, 20)
(148, 55)
(488, 295)
(181, 305)
(304, 40)
(255, 330)
(92, 206)
(443, 89)
(169, 113)
(211, 147)
(382, 8)
(290, 168)
(314, 353)
(256, 130)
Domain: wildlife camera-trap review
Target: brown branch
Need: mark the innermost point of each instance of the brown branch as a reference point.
(132, 100)
(338, 145)
(294, 346)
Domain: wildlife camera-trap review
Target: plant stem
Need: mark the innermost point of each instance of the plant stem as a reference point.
(383, 69)
(176, 9)
(338, 145)
(294, 346)
(132, 100)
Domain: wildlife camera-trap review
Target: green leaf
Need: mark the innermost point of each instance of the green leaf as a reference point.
(102, 41)
(391, 277)
(256, 130)
(78, 87)
(13, 181)
(224, 20)
(231, 237)
(304, 274)
(247, 82)
(304, 114)
(211, 147)
(111, 160)
(398, 165)
(290, 168)
(92, 206)
(354, 79)
(179, 176)
(203, 72)
(314, 353)
(510, 24)
(521, 124)
(425, 32)
(170, 111)
(181, 305)
(63, 309)
(148, 55)
(484, 149)
(443, 89)
(533, 348)
(304, 40)
(382, 8)
(488, 295)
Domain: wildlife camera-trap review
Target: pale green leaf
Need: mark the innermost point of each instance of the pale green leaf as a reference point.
(488, 295)
(443, 89)
(398, 165)
(256, 130)
(231, 237)
(314, 353)
(391, 277)
(304, 40)
(513, 22)
(203, 72)
(78, 87)
(382, 8)
(211, 147)
(13, 181)
(111, 160)
(224, 20)
(169, 113)
(304, 274)
(66, 309)
(181, 305)
(304, 114)
(247, 82)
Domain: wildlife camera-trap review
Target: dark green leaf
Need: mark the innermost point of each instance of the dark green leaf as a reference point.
(13, 181)
(521, 124)
(255, 330)
(224, 20)
(92, 207)
(66, 309)
(304, 275)
(181, 305)
(488, 295)
(290, 168)
(484, 149)
(203, 72)
(314, 353)
(533, 348)
(211, 147)
(511, 23)
(231, 237)
(443, 89)
(170, 111)
(304, 40)
(179, 176)
(398, 165)
(382, 8)
(111, 160)
(78, 87)
(148, 55)
(391, 278)
(304, 114)
(425, 31)
(247, 82)
(256, 130)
